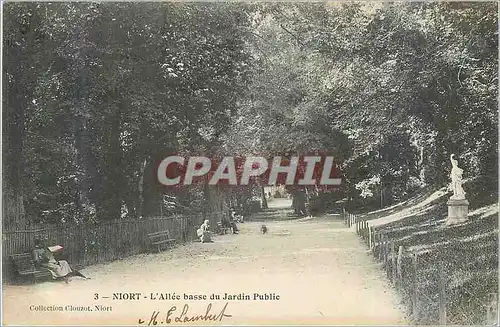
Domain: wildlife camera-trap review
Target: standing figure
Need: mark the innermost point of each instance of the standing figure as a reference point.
(456, 180)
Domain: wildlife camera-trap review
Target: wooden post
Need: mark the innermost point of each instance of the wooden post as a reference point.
(381, 247)
(393, 263)
(384, 249)
(414, 299)
(387, 258)
(369, 236)
(366, 231)
(492, 309)
(442, 295)
(399, 272)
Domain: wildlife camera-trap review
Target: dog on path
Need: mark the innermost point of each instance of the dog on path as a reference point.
(263, 229)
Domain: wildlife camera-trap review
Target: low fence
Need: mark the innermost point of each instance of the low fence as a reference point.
(87, 243)
(423, 282)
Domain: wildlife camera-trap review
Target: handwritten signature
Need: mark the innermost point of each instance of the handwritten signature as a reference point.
(170, 317)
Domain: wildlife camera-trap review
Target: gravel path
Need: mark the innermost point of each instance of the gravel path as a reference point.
(320, 270)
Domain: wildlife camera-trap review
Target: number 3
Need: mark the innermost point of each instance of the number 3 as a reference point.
(96, 296)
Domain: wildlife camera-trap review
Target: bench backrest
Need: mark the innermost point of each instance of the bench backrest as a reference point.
(163, 235)
(23, 261)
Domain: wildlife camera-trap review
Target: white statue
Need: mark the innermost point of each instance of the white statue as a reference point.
(456, 180)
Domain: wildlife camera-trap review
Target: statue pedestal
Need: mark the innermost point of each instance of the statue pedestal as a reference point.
(458, 209)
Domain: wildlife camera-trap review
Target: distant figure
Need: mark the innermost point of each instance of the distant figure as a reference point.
(232, 221)
(263, 229)
(43, 257)
(456, 180)
(204, 233)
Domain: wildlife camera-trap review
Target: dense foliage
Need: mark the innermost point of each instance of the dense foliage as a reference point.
(97, 93)
(390, 90)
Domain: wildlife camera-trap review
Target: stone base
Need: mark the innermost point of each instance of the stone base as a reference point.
(458, 209)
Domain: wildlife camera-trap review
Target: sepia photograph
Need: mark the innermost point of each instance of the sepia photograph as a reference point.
(250, 163)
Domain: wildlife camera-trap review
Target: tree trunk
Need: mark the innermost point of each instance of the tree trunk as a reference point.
(18, 93)
(140, 186)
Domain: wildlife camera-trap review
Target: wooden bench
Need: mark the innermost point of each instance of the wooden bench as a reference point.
(159, 239)
(24, 266)
(221, 230)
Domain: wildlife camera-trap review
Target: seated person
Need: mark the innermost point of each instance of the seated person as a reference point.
(203, 232)
(43, 257)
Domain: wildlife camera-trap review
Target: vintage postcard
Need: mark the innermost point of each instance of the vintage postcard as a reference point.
(249, 163)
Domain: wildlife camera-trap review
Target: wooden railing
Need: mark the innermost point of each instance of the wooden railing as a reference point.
(405, 270)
